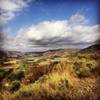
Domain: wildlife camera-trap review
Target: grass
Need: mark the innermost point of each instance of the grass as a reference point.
(75, 77)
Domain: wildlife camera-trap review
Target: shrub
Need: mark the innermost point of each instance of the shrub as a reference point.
(77, 65)
(15, 85)
(18, 75)
(6, 86)
(63, 84)
(83, 72)
(2, 74)
(43, 78)
(96, 70)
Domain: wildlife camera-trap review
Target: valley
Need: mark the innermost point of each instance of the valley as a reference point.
(51, 75)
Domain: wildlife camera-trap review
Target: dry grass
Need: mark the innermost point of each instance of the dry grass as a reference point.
(58, 79)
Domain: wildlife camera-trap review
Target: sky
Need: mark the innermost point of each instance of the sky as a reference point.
(38, 25)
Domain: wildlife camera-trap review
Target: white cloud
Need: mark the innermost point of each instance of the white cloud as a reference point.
(77, 19)
(47, 29)
(8, 8)
(55, 34)
(9, 5)
(6, 17)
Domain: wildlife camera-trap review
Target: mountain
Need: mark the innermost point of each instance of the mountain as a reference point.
(93, 48)
(2, 54)
(60, 52)
(14, 54)
(10, 54)
(55, 52)
(33, 53)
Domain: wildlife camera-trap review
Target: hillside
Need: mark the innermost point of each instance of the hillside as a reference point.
(2, 54)
(60, 52)
(11, 53)
(64, 76)
(93, 48)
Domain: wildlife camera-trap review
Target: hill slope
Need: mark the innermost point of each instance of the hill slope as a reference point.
(93, 48)
(73, 77)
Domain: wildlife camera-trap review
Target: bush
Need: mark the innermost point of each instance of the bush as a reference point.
(15, 85)
(77, 65)
(63, 84)
(96, 70)
(83, 72)
(6, 86)
(18, 75)
(2, 74)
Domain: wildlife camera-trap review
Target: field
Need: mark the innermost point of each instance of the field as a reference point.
(53, 75)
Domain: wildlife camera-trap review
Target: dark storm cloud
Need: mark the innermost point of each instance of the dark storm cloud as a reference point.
(57, 41)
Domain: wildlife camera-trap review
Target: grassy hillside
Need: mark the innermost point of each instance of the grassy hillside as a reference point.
(93, 48)
(73, 76)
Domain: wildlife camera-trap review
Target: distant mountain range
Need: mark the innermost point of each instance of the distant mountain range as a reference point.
(92, 48)
(59, 52)
(10, 54)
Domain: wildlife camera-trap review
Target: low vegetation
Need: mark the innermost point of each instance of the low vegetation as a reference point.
(72, 77)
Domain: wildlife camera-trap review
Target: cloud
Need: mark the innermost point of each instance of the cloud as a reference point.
(9, 8)
(77, 19)
(70, 33)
